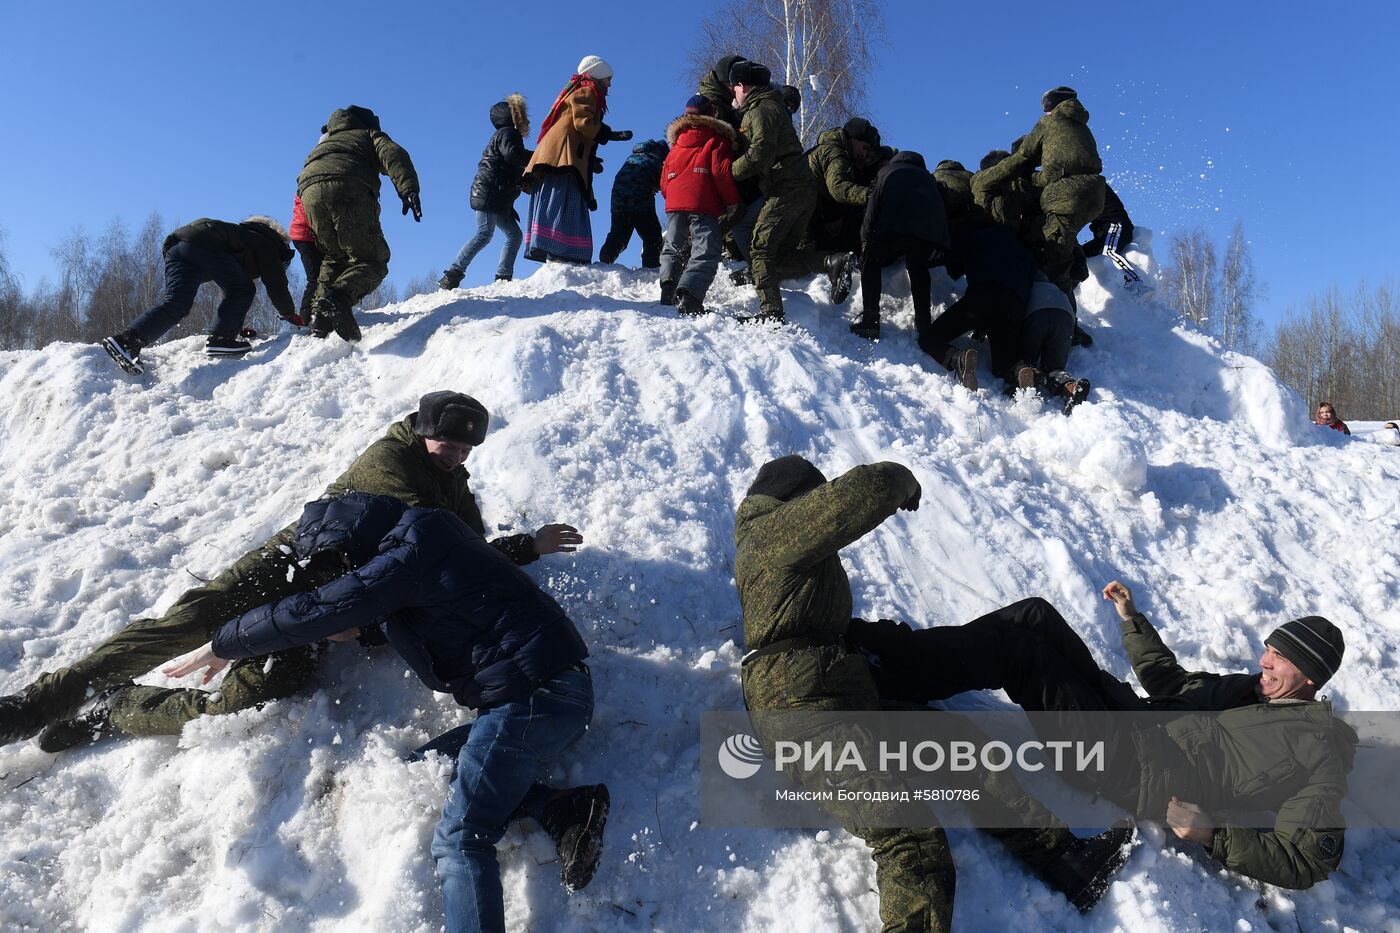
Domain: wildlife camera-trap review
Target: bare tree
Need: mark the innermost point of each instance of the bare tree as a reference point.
(825, 48)
(1239, 328)
(1192, 277)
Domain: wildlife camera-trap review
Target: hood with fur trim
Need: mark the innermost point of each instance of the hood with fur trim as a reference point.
(686, 120)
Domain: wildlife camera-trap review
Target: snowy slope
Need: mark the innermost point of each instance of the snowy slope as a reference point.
(1194, 475)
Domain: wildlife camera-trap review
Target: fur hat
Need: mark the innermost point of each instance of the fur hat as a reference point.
(594, 67)
(700, 104)
(271, 224)
(861, 128)
(1056, 96)
(723, 66)
(792, 97)
(786, 478)
(1313, 644)
(451, 416)
(749, 74)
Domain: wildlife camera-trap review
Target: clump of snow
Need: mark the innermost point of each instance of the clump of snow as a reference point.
(1191, 473)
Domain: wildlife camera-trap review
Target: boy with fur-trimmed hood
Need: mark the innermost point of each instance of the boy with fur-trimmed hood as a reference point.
(698, 184)
(494, 190)
(634, 204)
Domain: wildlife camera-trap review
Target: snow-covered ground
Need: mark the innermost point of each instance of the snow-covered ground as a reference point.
(1193, 474)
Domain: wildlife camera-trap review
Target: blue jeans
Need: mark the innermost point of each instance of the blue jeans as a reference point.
(487, 222)
(510, 748)
(186, 268)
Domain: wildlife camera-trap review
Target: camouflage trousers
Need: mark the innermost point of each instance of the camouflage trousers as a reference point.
(1068, 204)
(345, 219)
(258, 577)
(777, 235)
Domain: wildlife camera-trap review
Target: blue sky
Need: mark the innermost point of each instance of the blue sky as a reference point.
(1283, 116)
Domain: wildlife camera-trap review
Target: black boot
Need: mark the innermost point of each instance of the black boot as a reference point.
(334, 314)
(963, 364)
(688, 304)
(124, 348)
(740, 276)
(574, 819)
(20, 717)
(451, 278)
(84, 729)
(867, 327)
(668, 294)
(840, 267)
(1082, 869)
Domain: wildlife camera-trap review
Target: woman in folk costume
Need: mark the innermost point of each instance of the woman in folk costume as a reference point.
(559, 176)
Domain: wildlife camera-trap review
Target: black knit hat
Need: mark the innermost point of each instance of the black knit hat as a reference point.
(1056, 96)
(860, 128)
(451, 416)
(723, 66)
(786, 478)
(792, 97)
(1313, 644)
(749, 74)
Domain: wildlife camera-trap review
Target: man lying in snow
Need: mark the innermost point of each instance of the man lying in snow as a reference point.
(419, 461)
(1254, 742)
(470, 623)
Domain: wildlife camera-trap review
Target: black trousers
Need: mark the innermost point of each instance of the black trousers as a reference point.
(311, 258)
(987, 307)
(883, 251)
(647, 227)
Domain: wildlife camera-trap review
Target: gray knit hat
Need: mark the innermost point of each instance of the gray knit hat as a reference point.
(1313, 644)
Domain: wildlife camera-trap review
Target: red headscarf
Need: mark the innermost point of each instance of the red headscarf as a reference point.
(574, 84)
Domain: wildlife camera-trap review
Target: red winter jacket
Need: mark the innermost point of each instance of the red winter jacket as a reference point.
(300, 230)
(697, 177)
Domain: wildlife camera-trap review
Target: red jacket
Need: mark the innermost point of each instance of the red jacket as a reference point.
(300, 230)
(697, 177)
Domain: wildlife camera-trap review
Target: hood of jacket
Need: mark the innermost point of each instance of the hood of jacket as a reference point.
(950, 165)
(909, 157)
(352, 118)
(501, 116)
(698, 121)
(353, 524)
(1070, 109)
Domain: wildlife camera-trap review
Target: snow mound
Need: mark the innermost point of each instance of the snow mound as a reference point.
(1192, 473)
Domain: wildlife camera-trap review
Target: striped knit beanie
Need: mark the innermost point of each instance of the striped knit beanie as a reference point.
(1313, 644)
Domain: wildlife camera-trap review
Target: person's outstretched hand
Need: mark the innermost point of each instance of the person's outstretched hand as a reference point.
(202, 658)
(552, 539)
(411, 203)
(1122, 599)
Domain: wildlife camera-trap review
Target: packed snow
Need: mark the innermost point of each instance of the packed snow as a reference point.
(1192, 473)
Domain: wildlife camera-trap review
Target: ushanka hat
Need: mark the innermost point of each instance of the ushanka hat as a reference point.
(1313, 644)
(451, 416)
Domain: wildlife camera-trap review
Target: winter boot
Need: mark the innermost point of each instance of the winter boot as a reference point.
(1025, 376)
(1082, 869)
(20, 717)
(332, 314)
(688, 304)
(1080, 337)
(740, 276)
(226, 346)
(963, 364)
(451, 278)
(504, 278)
(867, 327)
(668, 294)
(124, 348)
(1076, 391)
(763, 317)
(574, 819)
(840, 268)
(83, 729)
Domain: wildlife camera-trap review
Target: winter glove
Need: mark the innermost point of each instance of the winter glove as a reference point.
(411, 203)
(596, 165)
(912, 503)
(619, 136)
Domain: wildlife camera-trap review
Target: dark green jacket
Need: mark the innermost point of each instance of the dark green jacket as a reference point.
(398, 465)
(832, 164)
(1061, 145)
(259, 249)
(773, 157)
(721, 97)
(355, 149)
(1289, 758)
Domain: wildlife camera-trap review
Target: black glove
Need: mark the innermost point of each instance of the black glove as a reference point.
(912, 503)
(596, 165)
(411, 203)
(619, 136)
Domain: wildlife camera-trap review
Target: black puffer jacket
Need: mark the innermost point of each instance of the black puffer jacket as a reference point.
(464, 617)
(497, 181)
(905, 203)
(259, 249)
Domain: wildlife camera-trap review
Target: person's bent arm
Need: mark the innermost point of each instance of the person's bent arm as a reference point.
(1153, 662)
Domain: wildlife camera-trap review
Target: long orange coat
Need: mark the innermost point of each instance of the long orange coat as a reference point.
(571, 141)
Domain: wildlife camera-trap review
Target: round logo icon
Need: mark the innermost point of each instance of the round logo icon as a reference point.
(740, 756)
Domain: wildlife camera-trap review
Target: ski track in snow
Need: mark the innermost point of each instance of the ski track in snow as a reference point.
(1192, 473)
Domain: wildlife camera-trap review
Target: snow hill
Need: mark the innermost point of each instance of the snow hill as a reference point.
(1193, 474)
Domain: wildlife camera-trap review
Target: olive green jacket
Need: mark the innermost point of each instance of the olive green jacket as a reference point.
(1289, 758)
(1061, 145)
(721, 97)
(773, 156)
(398, 465)
(355, 149)
(832, 164)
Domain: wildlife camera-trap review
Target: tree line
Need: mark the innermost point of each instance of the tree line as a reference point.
(103, 283)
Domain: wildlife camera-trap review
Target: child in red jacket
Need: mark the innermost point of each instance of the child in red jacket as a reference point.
(698, 185)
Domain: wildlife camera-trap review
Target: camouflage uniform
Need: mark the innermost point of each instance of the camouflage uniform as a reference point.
(339, 188)
(773, 158)
(395, 465)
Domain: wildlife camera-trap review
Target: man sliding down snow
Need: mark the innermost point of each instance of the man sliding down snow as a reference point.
(1246, 742)
(788, 533)
(470, 623)
(420, 462)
